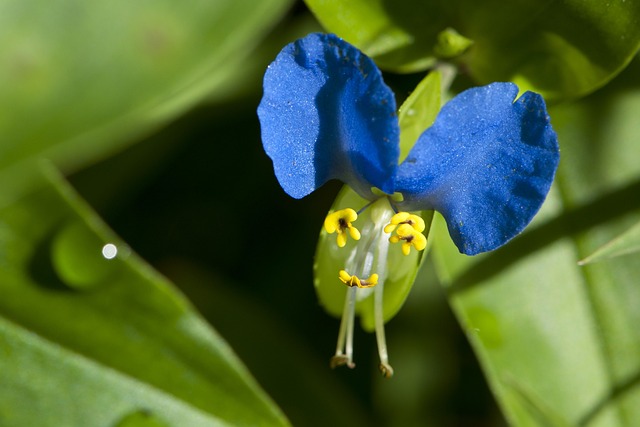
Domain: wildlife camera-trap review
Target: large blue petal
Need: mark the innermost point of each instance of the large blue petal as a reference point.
(327, 114)
(486, 165)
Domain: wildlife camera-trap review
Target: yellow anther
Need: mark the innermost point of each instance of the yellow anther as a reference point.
(409, 236)
(352, 281)
(405, 218)
(340, 222)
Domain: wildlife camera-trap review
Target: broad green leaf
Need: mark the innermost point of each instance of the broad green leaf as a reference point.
(294, 374)
(80, 79)
(91, 341)
(363, 23)
(625, 244)
(561, 49)
(416, 114)
(559, 343)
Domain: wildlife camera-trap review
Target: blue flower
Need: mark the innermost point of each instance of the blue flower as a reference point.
(486, 164)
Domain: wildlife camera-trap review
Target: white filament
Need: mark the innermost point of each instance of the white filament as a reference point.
(370, 252)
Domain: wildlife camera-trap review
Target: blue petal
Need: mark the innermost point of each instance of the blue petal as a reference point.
(327, 114)
(486, 165)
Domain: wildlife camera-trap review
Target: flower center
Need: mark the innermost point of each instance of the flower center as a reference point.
(369, 259)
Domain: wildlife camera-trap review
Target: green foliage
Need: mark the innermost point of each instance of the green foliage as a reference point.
(625, 244)
(79, 80)
(419, 111)
(104, 333)
(560, 49)
(557, 340)
(84, 340)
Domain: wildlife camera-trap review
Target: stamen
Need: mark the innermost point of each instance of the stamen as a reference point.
(385, 367)
(378, 310)
(405, 218)
(340, 222)
(408, 228)
(344, 348)
(367, 256)
(352, 281)
(362, 209)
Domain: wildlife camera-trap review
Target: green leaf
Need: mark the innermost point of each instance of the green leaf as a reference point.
(91, 341)
(559, 343)
(451, 44)
(419, 111)
(79, 80)
(326, 402)
(625, 244)
(562, 49)
(363, 23)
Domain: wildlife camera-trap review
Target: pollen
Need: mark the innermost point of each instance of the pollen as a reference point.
(409, 236)
(352, 281)
(340, 222)
(414, 221)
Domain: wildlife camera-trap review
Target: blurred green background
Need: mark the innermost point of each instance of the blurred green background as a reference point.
(149, 112)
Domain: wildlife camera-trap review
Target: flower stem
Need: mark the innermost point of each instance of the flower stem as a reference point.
(385, 367)
(448, 73)
(381, 219)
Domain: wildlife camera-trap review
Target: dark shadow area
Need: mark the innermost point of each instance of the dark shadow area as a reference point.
(423, 21)
(41, 268)
(528, 38)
